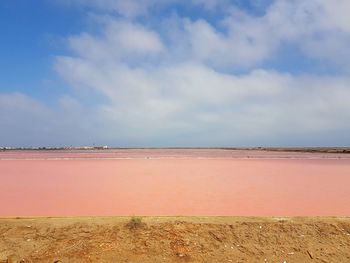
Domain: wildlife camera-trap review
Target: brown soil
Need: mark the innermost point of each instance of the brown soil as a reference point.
(175, 239)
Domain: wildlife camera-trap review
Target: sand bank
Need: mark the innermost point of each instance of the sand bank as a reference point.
(175, 239)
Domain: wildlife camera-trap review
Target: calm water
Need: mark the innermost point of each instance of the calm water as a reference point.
(185, 185)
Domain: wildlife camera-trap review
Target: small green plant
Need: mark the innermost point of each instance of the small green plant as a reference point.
(135, 222)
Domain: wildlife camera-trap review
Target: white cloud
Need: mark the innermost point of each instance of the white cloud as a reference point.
(186, 104)
(319, 28)
(209, 107)
(119, 39)
(25, 121)
(181, 88)
(210, 4)
(245, 46)
(134, 8)
(174, 83)
(22, 119)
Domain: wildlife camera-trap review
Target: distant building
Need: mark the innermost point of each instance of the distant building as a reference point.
(101, 147)
(87, 148)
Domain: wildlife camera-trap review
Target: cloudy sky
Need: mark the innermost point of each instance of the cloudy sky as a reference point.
(141, 73)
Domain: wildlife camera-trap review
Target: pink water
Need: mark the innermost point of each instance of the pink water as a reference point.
(280, 186)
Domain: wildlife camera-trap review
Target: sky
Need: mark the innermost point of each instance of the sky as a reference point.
(174, 73)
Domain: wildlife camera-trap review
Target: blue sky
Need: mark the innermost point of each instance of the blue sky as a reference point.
(32, 34)
(153, 73)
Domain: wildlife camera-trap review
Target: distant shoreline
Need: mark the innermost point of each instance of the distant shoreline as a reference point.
(273, 149)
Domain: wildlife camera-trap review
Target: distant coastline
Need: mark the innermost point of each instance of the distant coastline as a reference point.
(275, 149)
